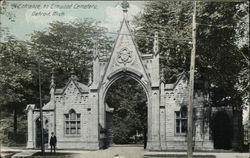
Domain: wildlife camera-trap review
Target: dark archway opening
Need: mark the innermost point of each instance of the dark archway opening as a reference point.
(38, 133)
(222, 131)
(126, 113)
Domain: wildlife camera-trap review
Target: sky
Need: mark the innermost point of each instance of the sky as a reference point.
(36, 15)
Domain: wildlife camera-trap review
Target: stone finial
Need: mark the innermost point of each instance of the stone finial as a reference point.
(90, 79)
(125, 6)
(72, 74)
(156, 43)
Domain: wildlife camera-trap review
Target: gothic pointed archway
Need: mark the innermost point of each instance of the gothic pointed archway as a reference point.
(38, 132)
(126, 60)
(126, 114)
(117, 75)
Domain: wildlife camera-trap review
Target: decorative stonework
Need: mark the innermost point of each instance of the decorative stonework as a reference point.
(124, 56)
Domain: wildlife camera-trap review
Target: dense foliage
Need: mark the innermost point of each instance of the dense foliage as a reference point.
(67, 46)
(128, 99)
(219, 58)
(15, 84)
(222, 61)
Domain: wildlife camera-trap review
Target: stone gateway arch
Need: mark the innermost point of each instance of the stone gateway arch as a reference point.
(76, 113)
(126, 60)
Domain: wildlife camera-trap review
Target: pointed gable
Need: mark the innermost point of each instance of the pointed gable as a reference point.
(125, 55)
(72, 87)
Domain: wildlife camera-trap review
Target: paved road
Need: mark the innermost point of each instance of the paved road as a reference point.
(217, 154)
(115, 152)
(138, 152)
(128, 152)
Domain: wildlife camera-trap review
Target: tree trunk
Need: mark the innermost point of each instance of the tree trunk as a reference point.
(15, 124)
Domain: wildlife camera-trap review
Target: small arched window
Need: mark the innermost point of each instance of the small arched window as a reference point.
(72, 123)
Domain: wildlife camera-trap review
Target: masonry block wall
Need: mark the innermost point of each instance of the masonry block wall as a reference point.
(73, 99)
(75, 115)
(174, 99)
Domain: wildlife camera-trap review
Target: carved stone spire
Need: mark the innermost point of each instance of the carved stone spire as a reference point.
(52, 83)
(95, 51)
(162, 78)
(156, 43)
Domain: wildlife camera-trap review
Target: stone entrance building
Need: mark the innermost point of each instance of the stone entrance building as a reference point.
(76, 113)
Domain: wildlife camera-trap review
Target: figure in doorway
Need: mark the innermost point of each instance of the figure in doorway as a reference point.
(53, 141)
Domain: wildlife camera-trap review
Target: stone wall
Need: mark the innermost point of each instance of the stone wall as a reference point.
(175, 97)
(73, 99)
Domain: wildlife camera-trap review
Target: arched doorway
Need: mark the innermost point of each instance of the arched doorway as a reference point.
(126, 60)
(126, 112)
(222, 131)
(38, 132)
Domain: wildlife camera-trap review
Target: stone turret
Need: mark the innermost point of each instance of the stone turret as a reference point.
(52, 84)
(90, 79)
(96, 66)
(156, 44)
(155, 62)
(52, 96)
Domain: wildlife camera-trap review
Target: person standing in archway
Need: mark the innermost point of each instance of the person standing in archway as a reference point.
(53, 142)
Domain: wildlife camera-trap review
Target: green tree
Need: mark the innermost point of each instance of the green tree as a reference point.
(5, 12)
(218, 53)
(219, 57)
(69, 45)
(172, 19)
(15, 77)
(63, 47)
